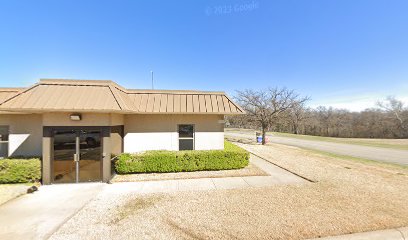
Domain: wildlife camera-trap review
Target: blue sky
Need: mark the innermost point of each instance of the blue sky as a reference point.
(342, 53)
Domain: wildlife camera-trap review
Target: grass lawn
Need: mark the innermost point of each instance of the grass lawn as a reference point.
(371, 142)
(384, 143)
(358, 159)
(349, 196)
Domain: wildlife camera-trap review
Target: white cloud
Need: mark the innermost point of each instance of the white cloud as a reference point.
(353, 103)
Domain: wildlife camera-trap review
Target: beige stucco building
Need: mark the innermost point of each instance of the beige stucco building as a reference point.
(78, 126)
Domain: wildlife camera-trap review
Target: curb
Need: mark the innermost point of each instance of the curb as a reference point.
(389, 234)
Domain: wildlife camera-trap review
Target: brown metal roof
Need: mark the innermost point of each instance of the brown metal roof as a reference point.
(183, 103)
(6, 93)
(107, 96)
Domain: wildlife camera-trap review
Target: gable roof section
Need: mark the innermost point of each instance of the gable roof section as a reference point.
(57, 96)
(107, 96)
(6, 93)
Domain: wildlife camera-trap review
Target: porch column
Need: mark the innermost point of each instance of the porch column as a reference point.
(46, 157)
(106, 157)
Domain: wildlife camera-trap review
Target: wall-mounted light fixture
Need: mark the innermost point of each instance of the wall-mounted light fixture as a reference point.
(75, 117)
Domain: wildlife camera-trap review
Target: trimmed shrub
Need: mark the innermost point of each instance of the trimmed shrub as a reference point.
(20, 170)
(228, 146)
(232, 157)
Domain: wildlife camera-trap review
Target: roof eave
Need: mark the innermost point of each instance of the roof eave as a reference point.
(31, 110)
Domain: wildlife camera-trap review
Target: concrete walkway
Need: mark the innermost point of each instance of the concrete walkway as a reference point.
(389, 234)
(38, 215)
(277, 176)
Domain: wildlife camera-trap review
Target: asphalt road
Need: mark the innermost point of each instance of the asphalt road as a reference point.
(372, 153)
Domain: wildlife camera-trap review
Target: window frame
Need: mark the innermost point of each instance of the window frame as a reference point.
(185, 138)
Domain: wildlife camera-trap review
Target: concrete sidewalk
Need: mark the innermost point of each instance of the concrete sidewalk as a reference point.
(277, 176)
(38, 215)
(389, 234)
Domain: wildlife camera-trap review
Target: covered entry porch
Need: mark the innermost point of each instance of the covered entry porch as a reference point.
(74, 154)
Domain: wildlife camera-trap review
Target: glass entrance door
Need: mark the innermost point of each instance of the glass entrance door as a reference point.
(90, 156)
(77, 156)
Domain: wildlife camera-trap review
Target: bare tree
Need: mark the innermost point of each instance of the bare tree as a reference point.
(390, 120)
(325, 116)
(397, 109)
(297, 114)
(265, 106)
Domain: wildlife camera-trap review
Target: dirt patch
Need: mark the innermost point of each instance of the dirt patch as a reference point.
(348, 197)
(133, 207)
(250, 170)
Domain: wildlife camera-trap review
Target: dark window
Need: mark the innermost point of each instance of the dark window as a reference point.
(186, 137)
(186, 131)
(4, 137)
(4, 133)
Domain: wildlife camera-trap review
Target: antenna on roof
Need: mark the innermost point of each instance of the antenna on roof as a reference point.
(152, 79)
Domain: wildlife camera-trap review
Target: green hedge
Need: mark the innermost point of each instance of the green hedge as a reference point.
(20, 170)
(232, 157)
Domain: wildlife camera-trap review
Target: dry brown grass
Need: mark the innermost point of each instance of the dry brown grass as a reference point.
(348, 197)
(133, 206)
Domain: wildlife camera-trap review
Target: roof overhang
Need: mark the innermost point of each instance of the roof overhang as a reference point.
(104, 96)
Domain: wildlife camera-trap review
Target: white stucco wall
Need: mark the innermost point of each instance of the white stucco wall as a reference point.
(25, 137)
(141, 132)
(87, 119)
(159, 132)
(26, 130)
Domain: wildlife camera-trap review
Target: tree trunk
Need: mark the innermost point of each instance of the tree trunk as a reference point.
(295, 129)
(263, 135)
